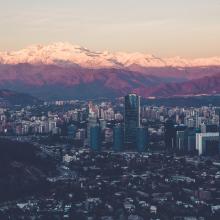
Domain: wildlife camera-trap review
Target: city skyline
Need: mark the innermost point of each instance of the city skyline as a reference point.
(110, 109)
(189, 29)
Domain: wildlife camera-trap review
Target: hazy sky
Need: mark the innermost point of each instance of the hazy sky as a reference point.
(188, 28)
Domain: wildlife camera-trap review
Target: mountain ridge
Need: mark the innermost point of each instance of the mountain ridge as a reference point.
(208, 85)
(64, 54)
(63, 70)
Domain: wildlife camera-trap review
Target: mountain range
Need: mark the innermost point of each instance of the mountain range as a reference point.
(65, 54)
(64, 70)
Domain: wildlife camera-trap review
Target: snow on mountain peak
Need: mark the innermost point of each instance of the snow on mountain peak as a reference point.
(63, 53)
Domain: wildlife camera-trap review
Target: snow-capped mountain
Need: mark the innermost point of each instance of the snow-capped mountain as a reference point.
(66, 54)
(63, 70)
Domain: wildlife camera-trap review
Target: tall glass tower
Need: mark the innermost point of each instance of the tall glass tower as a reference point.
(131, 118)
(95, 137)
(117, 138)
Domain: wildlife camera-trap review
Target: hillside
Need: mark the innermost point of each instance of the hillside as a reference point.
(203, 86)
(22, 170)
(8, 97)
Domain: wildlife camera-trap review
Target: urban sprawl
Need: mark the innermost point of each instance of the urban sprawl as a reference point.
(119, 159)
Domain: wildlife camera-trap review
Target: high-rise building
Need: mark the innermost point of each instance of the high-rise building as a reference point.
(191, 139)
(92, 121)
(197, 119)
(180, 131)
(181, 141)
(131, 118)
(141, 139)
(102, 123)
(95, 137)
(207, 143)
(169, 133)
(117, 138)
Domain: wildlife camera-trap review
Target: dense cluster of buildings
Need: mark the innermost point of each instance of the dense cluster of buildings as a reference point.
(119, 160)
(119, 125)
(93, 125)
(129, 134)
(194, 130)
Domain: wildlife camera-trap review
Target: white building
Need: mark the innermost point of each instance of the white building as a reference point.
(205, 141)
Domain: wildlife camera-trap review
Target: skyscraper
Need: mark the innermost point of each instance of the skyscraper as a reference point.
(117, 138)
(131, 117)
(92, 121)
(95, 137)
(169, 134)
(181, 141)
(141, 139)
